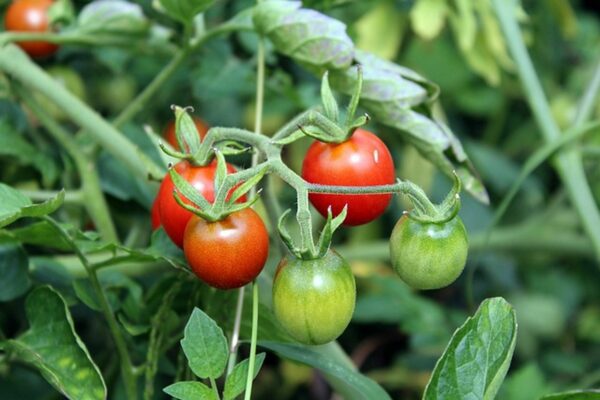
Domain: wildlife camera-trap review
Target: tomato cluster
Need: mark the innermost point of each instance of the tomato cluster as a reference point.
(226, 254)
(30, 16)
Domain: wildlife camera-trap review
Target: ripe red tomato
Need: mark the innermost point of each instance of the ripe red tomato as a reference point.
(155, 215)
(169, 132)
(227, 254)
(362, 160)
(30, 16)
(174, 217)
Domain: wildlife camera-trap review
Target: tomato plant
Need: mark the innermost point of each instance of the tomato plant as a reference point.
(70, 80)
(173, 217)
(314, 299)
(229, 253)
(155, 214)
(428, 255)
(171, 138)
(362, 160)
(30, 16)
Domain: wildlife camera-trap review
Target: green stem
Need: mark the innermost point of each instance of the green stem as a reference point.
(588, 100)
(71, 196)
(127, 370)
(91, 191)
(568, 164)
(15, 63)
(252, 357)
(215, 389)
(235, 334)
(260, 88)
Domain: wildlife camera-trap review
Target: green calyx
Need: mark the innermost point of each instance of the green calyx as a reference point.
(427, 212)
(324, 242)
(229, 188)
(330, 128)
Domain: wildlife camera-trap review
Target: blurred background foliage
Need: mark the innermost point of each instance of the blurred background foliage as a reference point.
(538, 256)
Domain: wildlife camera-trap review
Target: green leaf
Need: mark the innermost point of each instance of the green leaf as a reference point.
(113, 16)
(476, 360)
(190, 391)
(236, 381)
(306, 35)
(40, 233)
(188, 191)
(337, 369)
(14, 277)
(381, 29)
(389, 91)
(185, 10)
(204, 345)
(53, 347)
(15, 205)
(15, 145)
(428, 17)
(593, 394)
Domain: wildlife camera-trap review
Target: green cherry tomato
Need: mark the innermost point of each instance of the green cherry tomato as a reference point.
(428, 255)
(314, 299)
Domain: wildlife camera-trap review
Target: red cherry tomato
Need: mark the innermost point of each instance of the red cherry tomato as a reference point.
(155, 215)
(169, 132)
(362, 160)
(174, 217)
(30, 16)
(229, 253)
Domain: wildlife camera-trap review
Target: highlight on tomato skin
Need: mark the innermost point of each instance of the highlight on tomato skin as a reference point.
(229, 253)
(314, 299)
(171, 137)
(428, 255)
(30, 16)
(362, 160)
(173, 217)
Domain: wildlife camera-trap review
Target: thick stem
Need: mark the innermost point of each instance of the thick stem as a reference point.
(568, 163)
(16, 64)
(252, 358)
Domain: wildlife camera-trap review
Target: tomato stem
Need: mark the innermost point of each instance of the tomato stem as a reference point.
(252, 357)
(235, 334)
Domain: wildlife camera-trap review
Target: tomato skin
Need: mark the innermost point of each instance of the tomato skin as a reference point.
(171, 138)
(30, 16)
(173, 217)
(428, 255)
(362, 160)
(314, 299)
(230, 253)
(155, 215)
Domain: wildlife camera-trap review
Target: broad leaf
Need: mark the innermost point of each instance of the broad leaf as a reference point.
(338, 370)
(15, 145)
(306, 35)
(476, 360)
(53, 347)
(185, 10)
(14, 279)
(190, 391)
(14, 205)
(113, 16)
(204, 345)
(574, 395)
(236, 381)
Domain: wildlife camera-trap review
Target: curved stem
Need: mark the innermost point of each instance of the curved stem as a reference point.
(127, 370)
(71, 196)
(252, 357)
(568, 163)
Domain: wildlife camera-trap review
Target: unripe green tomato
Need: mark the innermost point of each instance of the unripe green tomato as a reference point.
(71, 81)
(314, 299)
(114, 93)
(428, 255)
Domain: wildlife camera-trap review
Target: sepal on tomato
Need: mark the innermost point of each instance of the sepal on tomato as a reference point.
(443, 212)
